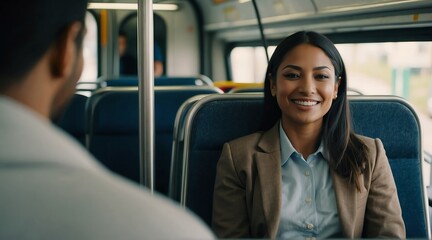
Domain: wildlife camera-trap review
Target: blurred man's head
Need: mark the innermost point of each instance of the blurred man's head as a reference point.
(122, 43)
(41, 51)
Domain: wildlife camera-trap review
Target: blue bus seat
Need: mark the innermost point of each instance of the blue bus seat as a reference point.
(200, 80)
(395, 122)
(72, 120)
(132, 81)
(122, 81)
(114, 128)
(214, 120)
(177, 147)
(247, 90)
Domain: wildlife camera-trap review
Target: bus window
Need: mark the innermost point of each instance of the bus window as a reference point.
(248, 64)
(90, 51)
(394, 68)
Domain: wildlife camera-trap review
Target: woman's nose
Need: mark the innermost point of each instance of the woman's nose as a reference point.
(307, 85)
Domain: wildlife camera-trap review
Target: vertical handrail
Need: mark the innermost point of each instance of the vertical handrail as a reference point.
(146, 92)
(261, 29)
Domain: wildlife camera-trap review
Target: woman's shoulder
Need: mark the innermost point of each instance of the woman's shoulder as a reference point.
(365, 139)
(247, 139)
(258, 141)
(368, 141)
(374, 146)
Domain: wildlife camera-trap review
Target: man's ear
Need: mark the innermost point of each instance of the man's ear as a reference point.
(64, 51)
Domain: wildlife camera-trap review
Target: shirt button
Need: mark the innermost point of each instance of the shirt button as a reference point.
(310, 226)
(308, 200)
(307, 173)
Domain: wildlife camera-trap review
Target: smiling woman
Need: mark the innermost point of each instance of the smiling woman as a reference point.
(306, 147)
(305, 87)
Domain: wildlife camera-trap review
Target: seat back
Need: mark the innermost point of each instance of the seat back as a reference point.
(114, 128)
(122, 81)
(209, 123)
(214, 120)
(247, 90)
(72, 119)
(393, 120)
(177, 147)
(132, 81)
(201, 80)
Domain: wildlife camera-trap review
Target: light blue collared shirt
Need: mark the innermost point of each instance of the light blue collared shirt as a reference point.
(308, 199)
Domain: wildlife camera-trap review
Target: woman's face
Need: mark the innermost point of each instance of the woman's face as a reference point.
(305, 86)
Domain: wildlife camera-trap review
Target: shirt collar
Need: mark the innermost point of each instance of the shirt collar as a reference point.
(287, 148)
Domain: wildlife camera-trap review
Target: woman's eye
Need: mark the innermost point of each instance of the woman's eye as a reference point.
(321, 76)
(292, 75)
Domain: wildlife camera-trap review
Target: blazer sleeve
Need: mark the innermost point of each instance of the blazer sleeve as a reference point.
(383, 216)
(230, 215)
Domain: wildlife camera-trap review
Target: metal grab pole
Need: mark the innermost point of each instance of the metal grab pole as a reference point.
(146, 92)
(261, 29)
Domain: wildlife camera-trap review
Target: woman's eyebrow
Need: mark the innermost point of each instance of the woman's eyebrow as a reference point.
(321, 67)
(293, 66)
(299, 68)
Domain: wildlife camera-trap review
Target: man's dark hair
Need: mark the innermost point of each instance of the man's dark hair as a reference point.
(122, 33)
(29, 28)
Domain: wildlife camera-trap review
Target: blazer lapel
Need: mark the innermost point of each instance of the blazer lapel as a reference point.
(269, 176)
(346, 203)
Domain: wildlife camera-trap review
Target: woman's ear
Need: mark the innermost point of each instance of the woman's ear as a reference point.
(64, 51)
(339, 79)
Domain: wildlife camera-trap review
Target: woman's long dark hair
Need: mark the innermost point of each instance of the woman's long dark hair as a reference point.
(347, 153)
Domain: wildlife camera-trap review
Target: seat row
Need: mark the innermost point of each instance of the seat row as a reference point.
(107, 124)
(132, 81)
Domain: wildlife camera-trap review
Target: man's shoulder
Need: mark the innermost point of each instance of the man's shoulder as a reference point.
(48, 180)
(147, 214)
(81, 203)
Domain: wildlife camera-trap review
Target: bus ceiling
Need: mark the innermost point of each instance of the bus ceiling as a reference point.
(235, 20)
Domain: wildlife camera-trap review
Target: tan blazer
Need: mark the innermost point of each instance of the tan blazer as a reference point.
(247, 197)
